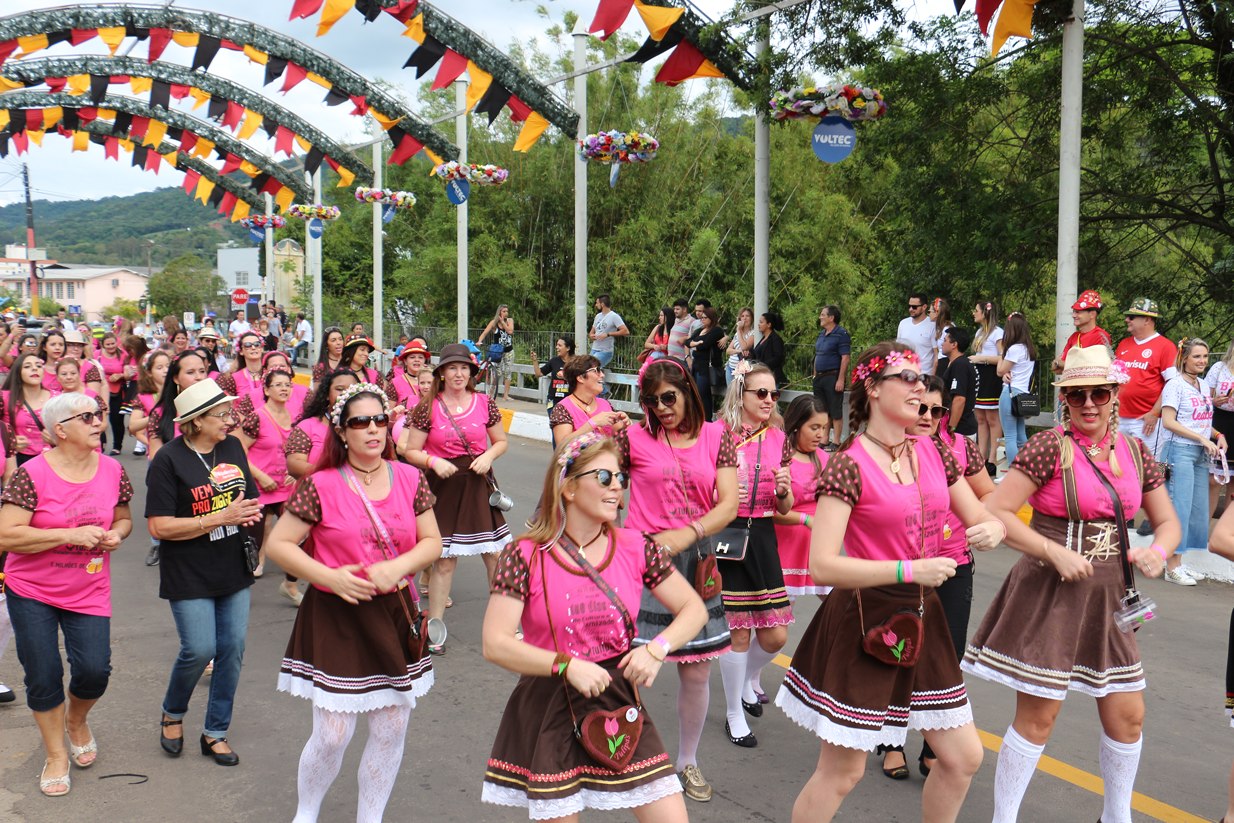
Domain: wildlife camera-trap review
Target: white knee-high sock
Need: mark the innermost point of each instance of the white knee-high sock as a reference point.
(693, 699)
(1119, 764)
(320, 761)
(756, 660)
(733, 675)
(1017, 760)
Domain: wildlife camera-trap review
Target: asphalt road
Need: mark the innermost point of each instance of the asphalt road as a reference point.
(1187, 754)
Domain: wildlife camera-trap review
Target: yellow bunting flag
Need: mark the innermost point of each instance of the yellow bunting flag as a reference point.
(1015, 20)
(127, 145)
(8, 85)
(31, 43)
(204, 188)
(81, 140)
(52, 116)
(203, 147)
(480, 81)
(436, 158)
(240, 212)
(112, 36)
(252, 121)
(200, 97)
(415, 28)
(332, 13)
(256, 55)
(386, 123)
(345, 177)
(107, 114)
(706, 69)
(140, 85)
(188, 39)
(533, 127)
(155, 133)
(77, 84)
(284, 198)
(303, 143)
(36, 137)
(4, 119)
(249, 169)
(658, 19)
(319, 80)
(173, 158)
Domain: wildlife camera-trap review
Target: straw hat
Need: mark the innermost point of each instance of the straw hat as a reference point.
(74, 336)
(1089, 366)
(198, 399)
(207, 332)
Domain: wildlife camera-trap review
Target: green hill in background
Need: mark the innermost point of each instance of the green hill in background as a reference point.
(114, 230)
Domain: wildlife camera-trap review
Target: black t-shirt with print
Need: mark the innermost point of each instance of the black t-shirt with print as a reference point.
(178, 484)
(960, 378)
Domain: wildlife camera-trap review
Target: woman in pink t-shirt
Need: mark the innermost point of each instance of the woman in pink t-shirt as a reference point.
(244, 377)
(68, 375)
(583, 409)
(855, 695)
(356, 351)
(579, 630)
(64, 513)
(24, 397)
(186, 369)
(370, 521)
(116, 372)
(51, 349)
(263, 433)
(683, 488)
(805, 431)
(249, 403)
(150, 378)
(455, 434)
(404, 377)
(307, 440)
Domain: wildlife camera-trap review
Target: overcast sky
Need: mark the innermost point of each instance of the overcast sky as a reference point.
(373, 50)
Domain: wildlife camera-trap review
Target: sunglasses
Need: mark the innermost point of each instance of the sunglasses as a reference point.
(936, 412)
(668, 398)
(252, 344)
(88, 417)
(916, 305)
(1079, 397)
(362, 421)
(907, 376)
(763, 394)
(606, 477)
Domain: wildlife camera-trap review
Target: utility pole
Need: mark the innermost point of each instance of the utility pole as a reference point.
(34, 274)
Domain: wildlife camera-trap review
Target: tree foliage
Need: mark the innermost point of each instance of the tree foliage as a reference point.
(187, 283)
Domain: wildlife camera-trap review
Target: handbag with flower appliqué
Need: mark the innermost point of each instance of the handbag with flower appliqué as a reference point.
(897, 640)
(610, 737)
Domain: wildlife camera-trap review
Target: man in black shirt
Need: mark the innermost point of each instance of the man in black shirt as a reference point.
(960, 381)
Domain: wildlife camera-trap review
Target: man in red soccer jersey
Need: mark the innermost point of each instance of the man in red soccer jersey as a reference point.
(1150, 361)
(1087, 333)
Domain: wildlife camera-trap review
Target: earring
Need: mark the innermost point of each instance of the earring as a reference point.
(344, 445)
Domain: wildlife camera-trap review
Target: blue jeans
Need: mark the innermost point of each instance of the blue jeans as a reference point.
(1015, 432)
(1188, 488)
(209, 628)
(605, 357)
(87, 643)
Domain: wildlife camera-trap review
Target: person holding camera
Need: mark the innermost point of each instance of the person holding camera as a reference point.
(498, 353)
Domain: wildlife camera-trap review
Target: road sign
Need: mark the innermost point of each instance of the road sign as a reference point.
(239, 297)
(833, 140)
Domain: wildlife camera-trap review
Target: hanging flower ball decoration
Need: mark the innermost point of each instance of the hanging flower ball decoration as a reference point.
(855, 104)
(399, 199)
(316, 211)
(618, 147)
(486, 175)
(261, 222)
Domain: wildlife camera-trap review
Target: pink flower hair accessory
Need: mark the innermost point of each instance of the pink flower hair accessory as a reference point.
(877, 365)
(1118, 372)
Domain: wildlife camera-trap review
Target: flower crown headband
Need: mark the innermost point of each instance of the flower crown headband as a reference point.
(646, 365)
(280, 369)
(877, 365)
(576, 447)
(336, 410)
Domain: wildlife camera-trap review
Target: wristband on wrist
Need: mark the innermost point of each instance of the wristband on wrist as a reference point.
(662, 641)
(1159, 550)
(804, 520)
(560, 663)
(908, 571)
(699, 533)
(899, 571)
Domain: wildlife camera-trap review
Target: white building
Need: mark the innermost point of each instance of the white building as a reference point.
(83, 290)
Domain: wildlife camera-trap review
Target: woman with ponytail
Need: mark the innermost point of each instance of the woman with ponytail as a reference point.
(987, 351)
(1051, 629)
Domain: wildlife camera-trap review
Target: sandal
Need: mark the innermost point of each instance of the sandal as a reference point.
(76, 753)
(46, 784)
(449, 602)
(898, 772)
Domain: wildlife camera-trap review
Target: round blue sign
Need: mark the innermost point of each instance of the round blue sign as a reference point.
(457, 191)
(833, 139)
(315, 228)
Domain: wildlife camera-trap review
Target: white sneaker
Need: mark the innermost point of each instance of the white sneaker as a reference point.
(6, 694)
(1192, 573)
(1178, 576)
(139, 449)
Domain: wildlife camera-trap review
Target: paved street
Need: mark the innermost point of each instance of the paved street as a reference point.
(1188, 744)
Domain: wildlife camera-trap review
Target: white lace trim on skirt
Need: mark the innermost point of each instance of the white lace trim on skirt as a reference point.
(583, 799)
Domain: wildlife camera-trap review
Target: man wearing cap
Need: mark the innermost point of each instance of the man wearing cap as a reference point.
(1149, 358)
(1087, 333)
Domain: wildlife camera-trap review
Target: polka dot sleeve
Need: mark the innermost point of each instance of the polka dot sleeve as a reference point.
(20, 491)
(304, 502)
(975, 465)
(727, 456)
(623, 450)
(512, 576)
(421, 417)
(251, 426)
(1154, 472)
(425, 499)
(126, 489)
(560, 414)
(10, 442)
(244, 407)
(494, 413)
(227, 383)
(951, 466)
(319, 371)
(152, 423)
(658, 565)
(101, 404)
(92, 376)
(841, 479)
(1038, 458)
(298, 442)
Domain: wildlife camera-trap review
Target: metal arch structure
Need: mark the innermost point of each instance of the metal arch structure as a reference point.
(58, 24)
(37, 71)
(224, 143)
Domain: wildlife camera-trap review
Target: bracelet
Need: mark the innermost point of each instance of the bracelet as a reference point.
(698, 529)
(899, 571)
(1159, 550)
(804, 521)
(560, 663)
(428, 462)
(908, 571)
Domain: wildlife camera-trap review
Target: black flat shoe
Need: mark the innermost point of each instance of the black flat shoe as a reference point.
(172, 745)
(899, 772)
(754, 709)
(222, 758)
(747, 742)
(922, 767)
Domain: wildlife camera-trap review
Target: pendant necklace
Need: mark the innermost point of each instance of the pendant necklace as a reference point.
(902, 447)
(368, 473)
(1092, 448)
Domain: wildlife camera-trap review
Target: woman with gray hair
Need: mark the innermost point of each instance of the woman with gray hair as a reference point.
(63, 514)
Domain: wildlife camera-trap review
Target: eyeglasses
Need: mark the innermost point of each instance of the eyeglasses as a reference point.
(668, 398)
(252, 344)
(907, 376)
(362, 421)
(87, 417)
(223, 415)
(936, 412)
(912, 306)
(1076, 398)
(606, 477)
(763, 394)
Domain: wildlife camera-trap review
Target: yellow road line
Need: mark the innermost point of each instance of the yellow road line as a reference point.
(1077, 777)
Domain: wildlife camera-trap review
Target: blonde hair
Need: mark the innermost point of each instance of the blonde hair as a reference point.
(730, 409)
(1066, 456)
(569, 461)
(1185, 347)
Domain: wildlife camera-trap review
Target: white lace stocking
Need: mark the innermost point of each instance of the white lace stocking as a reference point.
(6, 626)
(320, 760)
(387, 731)
(693, 697)
(1017, 760)
(1119, 764)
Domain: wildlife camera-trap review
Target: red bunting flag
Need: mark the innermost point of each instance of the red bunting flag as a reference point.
(159, 38)
(79, 36)
(139, 127)
(682, 64)
(179, 91)
(232, 163)
(404, 151)
(610, 15)
(190, 181)
(452, 65)
(283, 138)
(361, 104)
(985, 12)
(21, 141)
(404, 11)
(55, 84)
(303, 9)
(519, 111)
(332, 163)
(187, 141)
(271, 187)
(6, 48)
(235, 113)
(154, 161)
(293, 76)
(87, 114)
(228, 203)
(111, 148)
(34, 119)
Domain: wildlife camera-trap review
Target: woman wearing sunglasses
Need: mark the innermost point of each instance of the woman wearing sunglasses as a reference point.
(264, 433)
(369, 520)
(1051, 629)
(295, 399)
(755, 602)
(858, 679)
(455, 434)
(243, 379)
(583, 409)
(24, 397)
(575, 633)
(64, 513)
(683, 487)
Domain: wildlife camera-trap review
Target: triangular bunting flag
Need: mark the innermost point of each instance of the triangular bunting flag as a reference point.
(404, 150)
(493, 101)
(303, 9)
(480, 81)
(235, 113)
(256, 55)
(190, 180)
(345, 177)
(159, 38)
(658, 19)
(204, 188)
(207, 47)
(160, 94)
(985, 13)
(98, 87)
(415, 29)
(385, 122)
(293, 76)
(426, 56)
(283, 140)
(79, 36)
(111, 148)
(252, 120)
(112, 36)
(312, 160)
(1014, 20)
(155, 133)
(332, 13)
(240, 212)
(685, 62)
(154, 161)
(228, 203)
(532, 129)
(275, 67)
(452, 66)
(186, 39)
(232, 163)
(610, 15)
(81, 140)
(140, 85)
(518, 109)
(653, 48)
(283, 197)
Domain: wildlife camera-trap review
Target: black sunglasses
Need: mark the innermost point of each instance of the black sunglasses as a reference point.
(936, 412)
(906, 376)
(88, 417)
(1076, 398)
(252, 344)
(606, 477)
(668, 398)
(916, 305)
(361, 421)
(763, 394)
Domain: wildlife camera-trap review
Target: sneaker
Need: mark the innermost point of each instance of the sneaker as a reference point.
(1144, 529)
(6, 694)
(1192, 573)
(152, 556)
(693, 784)
(139, 449)
(1178, 577)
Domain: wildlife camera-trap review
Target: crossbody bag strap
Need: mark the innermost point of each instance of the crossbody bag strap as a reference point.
(1120, 521)
(492, 482)
(1070, 495)
(38, 421)
(384, 541)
